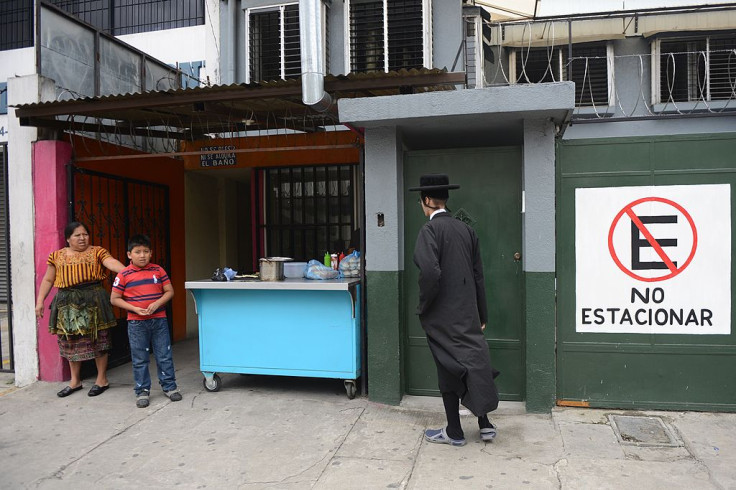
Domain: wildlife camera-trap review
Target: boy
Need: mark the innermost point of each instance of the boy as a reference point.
(143, 289)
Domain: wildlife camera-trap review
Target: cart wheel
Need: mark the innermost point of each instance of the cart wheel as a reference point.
(350, 388)
(212, 384)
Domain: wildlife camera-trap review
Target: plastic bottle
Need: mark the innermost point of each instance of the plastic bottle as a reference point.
(333, 261)
(327, 260)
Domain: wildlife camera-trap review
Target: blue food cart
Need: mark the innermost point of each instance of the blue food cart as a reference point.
(294, 327)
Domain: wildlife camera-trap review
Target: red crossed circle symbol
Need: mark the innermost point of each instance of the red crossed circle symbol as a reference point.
(671, 267)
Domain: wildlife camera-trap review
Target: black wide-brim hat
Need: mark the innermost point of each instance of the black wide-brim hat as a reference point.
(434, 182)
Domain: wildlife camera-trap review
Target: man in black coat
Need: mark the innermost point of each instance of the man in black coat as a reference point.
(453, 313)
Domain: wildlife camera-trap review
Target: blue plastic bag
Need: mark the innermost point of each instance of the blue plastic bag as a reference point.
(317, 270)
(350, 265)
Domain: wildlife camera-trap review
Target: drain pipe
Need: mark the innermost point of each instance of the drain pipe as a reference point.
(310, 37)
(232, 39)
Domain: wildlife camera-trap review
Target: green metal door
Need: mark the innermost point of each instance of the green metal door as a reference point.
(642, 370)
(489, 200)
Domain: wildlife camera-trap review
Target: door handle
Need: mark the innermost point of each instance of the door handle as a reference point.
(517, 256)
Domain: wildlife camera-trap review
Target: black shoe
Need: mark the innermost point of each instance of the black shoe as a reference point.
(97, 390)
(68, 390)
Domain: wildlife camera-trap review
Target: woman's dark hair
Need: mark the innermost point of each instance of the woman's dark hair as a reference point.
(69, 229)
(138, 241)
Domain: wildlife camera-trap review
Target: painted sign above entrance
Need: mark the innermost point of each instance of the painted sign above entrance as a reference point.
(276, 150)
(653, 259)
(224, 159)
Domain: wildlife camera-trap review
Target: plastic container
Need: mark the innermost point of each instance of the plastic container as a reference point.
(294, 270)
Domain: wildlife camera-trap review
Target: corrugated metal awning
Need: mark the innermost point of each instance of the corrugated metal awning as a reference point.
(193, 113)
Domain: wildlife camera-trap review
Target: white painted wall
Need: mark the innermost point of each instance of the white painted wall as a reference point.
(17, 63)
(23, 90)
(169, 46)
(14, 63)
(212, 41)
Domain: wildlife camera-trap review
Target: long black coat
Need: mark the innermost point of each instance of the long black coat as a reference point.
(452, 307)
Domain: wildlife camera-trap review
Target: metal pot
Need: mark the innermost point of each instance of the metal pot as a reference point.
(272, 268)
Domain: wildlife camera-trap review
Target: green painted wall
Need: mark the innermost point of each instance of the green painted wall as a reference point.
(540, 341)
(383, 331)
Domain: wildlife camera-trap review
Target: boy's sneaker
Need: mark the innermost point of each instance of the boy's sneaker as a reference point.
(141, 400)
(173, 395)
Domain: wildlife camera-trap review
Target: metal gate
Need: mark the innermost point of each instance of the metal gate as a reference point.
(637, 369)
(6, 329)
(114, 208)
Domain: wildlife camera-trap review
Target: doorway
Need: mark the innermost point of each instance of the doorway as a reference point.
(114, 208)
(489, 200)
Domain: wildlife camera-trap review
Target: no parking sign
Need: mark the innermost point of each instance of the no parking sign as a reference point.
(653, 259)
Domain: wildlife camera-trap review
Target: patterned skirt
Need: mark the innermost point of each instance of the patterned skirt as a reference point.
(83, 347)
(80, 315)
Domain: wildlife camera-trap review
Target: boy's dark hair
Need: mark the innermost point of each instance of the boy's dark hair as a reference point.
(138, 241)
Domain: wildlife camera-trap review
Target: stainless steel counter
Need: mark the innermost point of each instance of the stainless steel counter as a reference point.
(286, 285)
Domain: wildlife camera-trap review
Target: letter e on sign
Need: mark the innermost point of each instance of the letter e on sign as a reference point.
(671, 248)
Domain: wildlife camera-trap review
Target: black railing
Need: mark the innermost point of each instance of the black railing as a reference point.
(6, 309)
(16, 24)
(118, 17)
(306, 211)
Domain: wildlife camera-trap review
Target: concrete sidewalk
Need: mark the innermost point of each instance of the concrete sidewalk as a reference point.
(292, 433)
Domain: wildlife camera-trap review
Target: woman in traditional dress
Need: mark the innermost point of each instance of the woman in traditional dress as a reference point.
(81, 314)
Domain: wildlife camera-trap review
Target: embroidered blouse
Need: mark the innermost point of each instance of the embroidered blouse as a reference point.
(78, 268)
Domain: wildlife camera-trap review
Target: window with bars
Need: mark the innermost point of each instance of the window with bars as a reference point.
(274, 50)
(588, 68)
(16, 19)
(119, 17)
(305, 211)
(3, 97)
(390, 42)
(696, 69)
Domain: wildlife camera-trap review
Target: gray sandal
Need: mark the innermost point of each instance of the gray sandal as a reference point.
(439, 436)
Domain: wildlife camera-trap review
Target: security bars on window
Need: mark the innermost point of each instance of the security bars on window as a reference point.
(16, 19)
(588, 68)
(386, 35)
(273, 43)
(306, 211)
(696, 69)
(119, 17)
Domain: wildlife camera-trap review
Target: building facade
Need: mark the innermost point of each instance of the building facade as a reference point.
(556, 123)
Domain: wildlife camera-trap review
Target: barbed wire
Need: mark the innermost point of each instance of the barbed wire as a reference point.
(662, 98)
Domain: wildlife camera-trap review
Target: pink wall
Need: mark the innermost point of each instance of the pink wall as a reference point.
(50, 196)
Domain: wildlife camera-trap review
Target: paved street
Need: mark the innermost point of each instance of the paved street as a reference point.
(292, 433)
